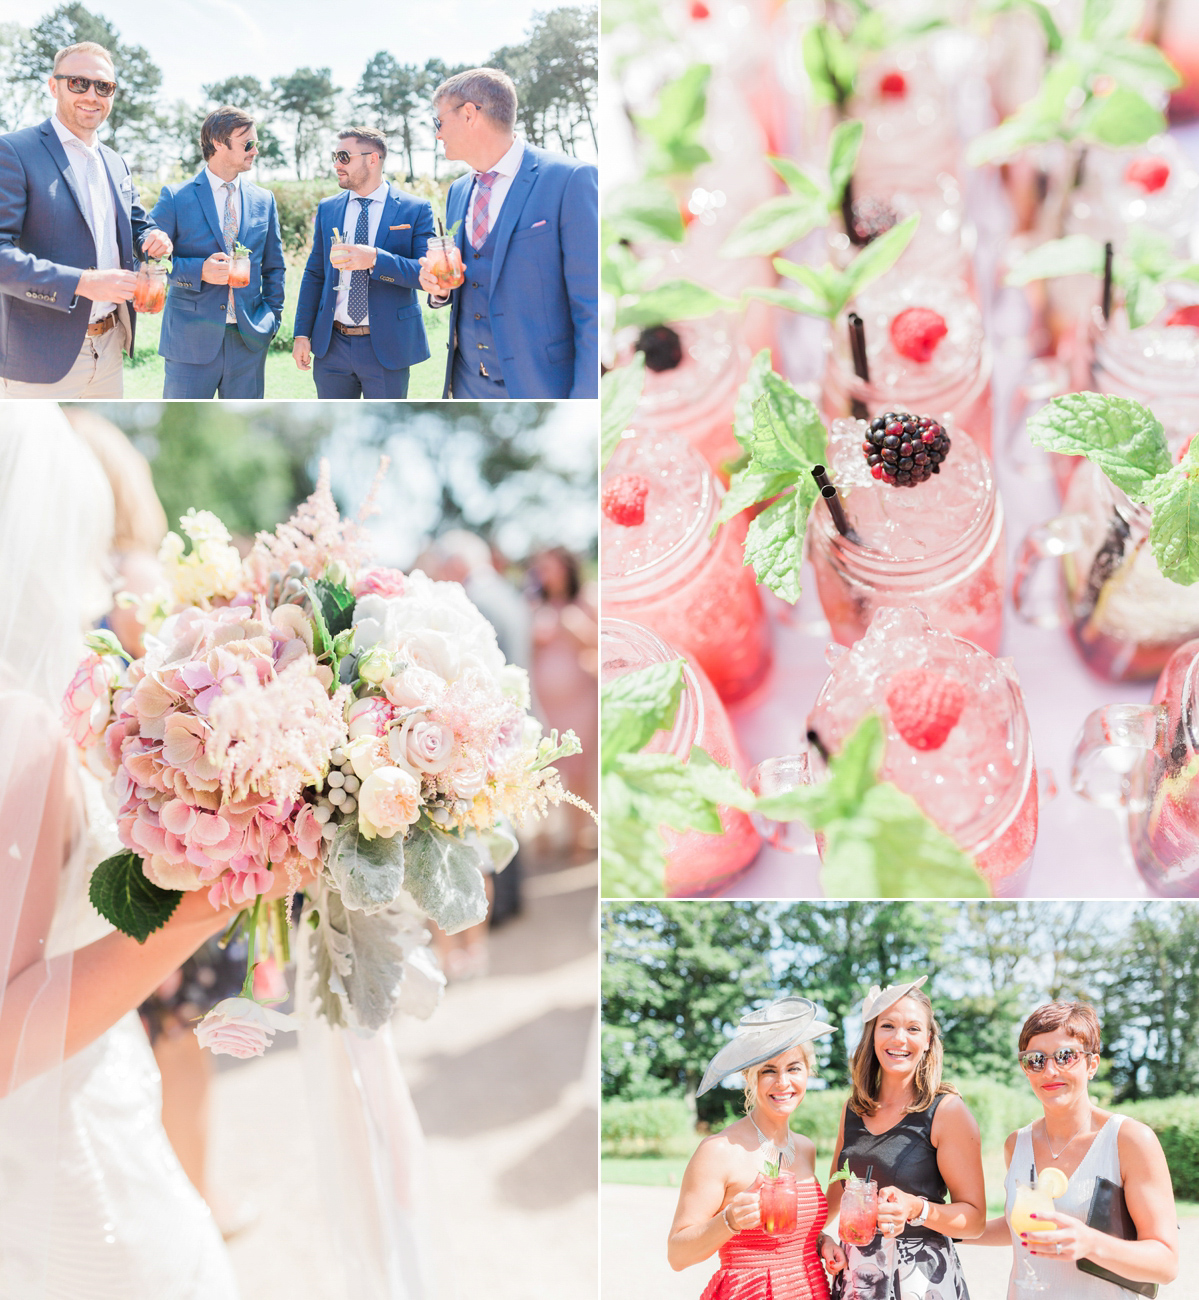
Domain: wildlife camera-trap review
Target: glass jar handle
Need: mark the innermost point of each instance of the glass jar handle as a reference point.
(776, 776)
(1113, 741)
(1049, 541)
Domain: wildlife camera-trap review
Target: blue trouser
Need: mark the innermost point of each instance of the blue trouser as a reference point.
(473, 386)
(236, 371)
(350, 369)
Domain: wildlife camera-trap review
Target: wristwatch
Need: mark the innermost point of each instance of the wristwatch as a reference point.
(922, 1218)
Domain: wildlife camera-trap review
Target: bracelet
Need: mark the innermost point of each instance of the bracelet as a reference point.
(922, 1218)
(724, 1214)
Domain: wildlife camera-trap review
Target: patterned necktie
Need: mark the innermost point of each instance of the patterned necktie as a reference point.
(478, 210)
(356, 305)
(229, 233)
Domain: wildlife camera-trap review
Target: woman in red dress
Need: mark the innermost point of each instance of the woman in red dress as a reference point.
(720, 1201)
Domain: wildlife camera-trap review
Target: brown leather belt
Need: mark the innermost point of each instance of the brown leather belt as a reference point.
(354, 331)
(102, 326)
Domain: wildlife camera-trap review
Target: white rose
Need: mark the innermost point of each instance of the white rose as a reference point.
(388, 801)
(428, 746)
(514, 682)
(366, 754)
(374, 665)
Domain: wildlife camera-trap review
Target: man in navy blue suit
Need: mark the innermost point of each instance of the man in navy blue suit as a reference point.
(215, 337)
(71, 229)
(364, 336)
(525, 321)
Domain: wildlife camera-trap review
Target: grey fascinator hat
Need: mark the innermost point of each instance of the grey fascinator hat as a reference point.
(763, 1034)
(878, 1000)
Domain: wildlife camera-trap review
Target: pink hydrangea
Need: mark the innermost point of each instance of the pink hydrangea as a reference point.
(87, 704)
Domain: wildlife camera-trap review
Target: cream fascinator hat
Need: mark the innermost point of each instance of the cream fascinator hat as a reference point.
(878, 1000)
(763, 1034)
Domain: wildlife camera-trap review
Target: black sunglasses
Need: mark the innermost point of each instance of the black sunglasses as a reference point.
(81, 85)
(343, 156)
(1034, 1062)
(437, 120)
(249, 144)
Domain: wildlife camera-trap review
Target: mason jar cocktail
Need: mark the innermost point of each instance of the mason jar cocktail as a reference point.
(445, 263)
(150, 291)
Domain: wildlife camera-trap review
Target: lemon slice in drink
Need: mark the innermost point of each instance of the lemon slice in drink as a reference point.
(1052, 1182)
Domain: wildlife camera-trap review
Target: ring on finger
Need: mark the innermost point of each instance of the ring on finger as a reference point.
(1059, 1247)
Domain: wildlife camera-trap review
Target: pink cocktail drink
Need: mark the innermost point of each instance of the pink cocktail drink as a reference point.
(695, 863)
(967, 762)
(445, 262)
(859, 1212)
(659, 567)
(239, 271)
(915, 363)
(909, 136)
(938, 544)
(150, 291)
(779, 1201)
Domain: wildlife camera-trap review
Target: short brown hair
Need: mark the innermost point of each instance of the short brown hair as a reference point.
(219, 127)
(489, 88)
(1078, 1019)
(366, 135)
(867, 1073)
(82, 47)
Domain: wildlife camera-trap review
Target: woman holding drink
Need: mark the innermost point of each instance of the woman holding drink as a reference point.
(767, 1230)
(1075, 1163)
(909, 1141)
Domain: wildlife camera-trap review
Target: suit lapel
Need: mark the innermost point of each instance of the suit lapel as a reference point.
(391, 208)
(55, 147)
(514, 202)
(246, 200)
(455, 209)
(208, 207)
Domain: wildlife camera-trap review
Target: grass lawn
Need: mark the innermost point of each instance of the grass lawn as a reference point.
(144, 376)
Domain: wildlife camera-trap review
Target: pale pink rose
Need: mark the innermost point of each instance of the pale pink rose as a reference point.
(509, 742)
(241, 1027)
(413, 688)
(369, 717)
(87, 704)
(428, 746)
(388, 801)
(380, 582)
(367, 753)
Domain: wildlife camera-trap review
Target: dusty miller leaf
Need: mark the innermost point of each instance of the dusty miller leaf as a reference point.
(369, 874)
(444, 876)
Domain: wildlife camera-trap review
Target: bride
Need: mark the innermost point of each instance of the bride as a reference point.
(93, 1201)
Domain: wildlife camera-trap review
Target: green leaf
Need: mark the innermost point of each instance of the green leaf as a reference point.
(852, 773)
(1123, 438)
(1150, 252)
(1108, 19)
(369, 874)
(751, 389)
(663, 793)
(444, 876)
(1174, 532)
(121, 894)
(719, 784)
(357, 962)
(1073, 255)
(1143, 299)
(675, 300)
(620, 392)
(748, 487)
(774, 542)
(880, 255)
(337, 605)
(644, 211)
(1140, 64)
(1120, 118)
(798, 182)
(830, 64)
(776, 224)
(673, 129)
(322, 642)
(636, 705)
(632, 852)
(788, 432)
(844, 144)
(1008, 139)
(788, 301)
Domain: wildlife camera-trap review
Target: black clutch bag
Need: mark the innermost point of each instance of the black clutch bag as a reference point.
(1109, 1213)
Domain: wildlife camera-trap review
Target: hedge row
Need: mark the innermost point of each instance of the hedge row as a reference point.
(663, 1126)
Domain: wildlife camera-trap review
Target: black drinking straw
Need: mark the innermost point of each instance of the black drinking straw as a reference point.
(440, 227)
(861, 367)
(832, 499)
(813, 739)
(1107, 281)
(869, 1171)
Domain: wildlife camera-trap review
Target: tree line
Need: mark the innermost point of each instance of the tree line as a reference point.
(677, 976)
(555, 71)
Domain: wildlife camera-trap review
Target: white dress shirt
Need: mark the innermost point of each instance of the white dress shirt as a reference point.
(374, 214)
(99, 211)
(505, 170)
(219, 194)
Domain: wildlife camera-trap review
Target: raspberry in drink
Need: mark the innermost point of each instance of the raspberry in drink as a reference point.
(858, 1219)
(958, 740)
(937, 544)
(659, 567)
(695, 863)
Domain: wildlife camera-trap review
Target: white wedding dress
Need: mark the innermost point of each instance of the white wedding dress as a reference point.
(127, 1223)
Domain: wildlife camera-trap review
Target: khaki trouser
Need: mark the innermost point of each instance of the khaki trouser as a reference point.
(97, 372)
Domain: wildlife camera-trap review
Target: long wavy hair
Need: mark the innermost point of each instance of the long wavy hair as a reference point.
(867, 1074)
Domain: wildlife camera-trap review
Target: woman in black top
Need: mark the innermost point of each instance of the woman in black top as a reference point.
(914, 1136)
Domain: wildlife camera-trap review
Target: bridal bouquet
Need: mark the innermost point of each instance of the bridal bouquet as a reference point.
(302, 711)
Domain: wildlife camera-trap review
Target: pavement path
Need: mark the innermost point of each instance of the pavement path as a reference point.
(635, 1221)
(505, 1079)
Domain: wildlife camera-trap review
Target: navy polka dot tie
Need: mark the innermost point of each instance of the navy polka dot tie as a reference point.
(359, 280)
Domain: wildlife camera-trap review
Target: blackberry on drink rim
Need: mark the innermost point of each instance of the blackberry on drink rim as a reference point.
(904, 449)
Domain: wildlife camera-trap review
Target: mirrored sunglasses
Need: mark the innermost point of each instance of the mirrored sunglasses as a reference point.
(1034, 1062)
(81, 85)
(343, 156)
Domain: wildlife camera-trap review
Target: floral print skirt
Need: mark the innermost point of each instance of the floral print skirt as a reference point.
(920, 1268)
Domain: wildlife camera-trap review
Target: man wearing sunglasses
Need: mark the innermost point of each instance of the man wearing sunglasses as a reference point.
(71, 233)
(358, 324)
(215, 336)
(524, 323)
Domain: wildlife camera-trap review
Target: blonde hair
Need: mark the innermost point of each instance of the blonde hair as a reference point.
(751, 1074)
(141, 522)
(82, 47)
(866, 1073)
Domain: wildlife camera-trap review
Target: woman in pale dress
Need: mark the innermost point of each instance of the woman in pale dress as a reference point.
(1059, 1053)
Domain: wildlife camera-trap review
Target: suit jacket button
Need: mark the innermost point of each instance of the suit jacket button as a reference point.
(476, 256)
(478, 315)
(474, 284)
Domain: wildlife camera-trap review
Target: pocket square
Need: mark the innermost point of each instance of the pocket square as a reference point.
(406, 226)
(536, 224)
(127, 185)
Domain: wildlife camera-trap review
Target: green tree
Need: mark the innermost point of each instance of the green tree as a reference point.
(20, 100)
(391, 94)
(134, 116)
(675, 978)
(308, 99)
